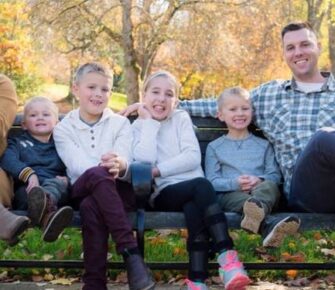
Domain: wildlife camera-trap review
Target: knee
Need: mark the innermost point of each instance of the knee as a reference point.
(204, 185)
(96, 171)
(269, 185)
(97, 174)
(6, 186)
(324, 139)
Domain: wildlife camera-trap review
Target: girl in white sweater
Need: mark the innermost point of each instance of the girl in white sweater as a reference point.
(165, 137)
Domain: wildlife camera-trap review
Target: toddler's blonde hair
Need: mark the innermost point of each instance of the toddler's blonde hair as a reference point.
(40, 99)
(234, 91)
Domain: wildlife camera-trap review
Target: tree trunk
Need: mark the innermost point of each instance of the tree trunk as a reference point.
(331, 36)
(315, 13)
(131, 68)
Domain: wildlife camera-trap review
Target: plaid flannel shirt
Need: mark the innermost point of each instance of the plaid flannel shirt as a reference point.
(287, 116)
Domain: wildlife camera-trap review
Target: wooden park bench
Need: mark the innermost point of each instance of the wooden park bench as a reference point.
(207, 129)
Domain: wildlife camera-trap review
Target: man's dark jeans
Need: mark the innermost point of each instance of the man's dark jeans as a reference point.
(313, 180)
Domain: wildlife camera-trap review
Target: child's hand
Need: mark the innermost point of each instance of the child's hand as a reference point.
(155, 172)
(248, 182)
(244, 183)
(32, 182)
(143, 112)
(116, 165)
(131, 109)
(64, 179)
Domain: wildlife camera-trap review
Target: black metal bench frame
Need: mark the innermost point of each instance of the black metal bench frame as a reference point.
(207, 129)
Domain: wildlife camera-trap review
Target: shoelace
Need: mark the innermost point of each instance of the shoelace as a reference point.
(191, 285)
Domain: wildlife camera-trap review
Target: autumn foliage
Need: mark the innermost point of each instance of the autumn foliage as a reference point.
(18, 59)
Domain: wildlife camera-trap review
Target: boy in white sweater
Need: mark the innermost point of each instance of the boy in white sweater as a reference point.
(94, 144)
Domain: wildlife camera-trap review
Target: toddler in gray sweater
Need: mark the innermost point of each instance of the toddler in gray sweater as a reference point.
(244, 172)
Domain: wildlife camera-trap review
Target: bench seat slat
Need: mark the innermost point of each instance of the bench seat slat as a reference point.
(176, 220)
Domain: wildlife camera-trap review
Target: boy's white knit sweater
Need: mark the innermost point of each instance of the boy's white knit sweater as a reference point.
(169, 145)
(80, 146)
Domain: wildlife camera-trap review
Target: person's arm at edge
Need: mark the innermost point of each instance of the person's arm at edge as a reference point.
(8, 108)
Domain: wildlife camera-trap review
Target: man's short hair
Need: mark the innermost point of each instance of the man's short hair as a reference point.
(294, 26)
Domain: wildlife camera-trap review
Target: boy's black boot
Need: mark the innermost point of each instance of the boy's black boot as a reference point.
(55, 220)
(139, 277)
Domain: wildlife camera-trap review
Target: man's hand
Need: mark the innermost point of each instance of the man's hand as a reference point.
(32, 182)
(131, 109)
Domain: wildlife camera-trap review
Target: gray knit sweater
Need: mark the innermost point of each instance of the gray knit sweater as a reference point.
(227, 159)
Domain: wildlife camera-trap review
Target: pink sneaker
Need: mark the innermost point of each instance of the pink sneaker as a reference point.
(195, 285)
(232, 272)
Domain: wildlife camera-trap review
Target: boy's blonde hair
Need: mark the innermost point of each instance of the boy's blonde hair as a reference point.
(234, 91)
(164, 74)
(92, 67)
(38, 99)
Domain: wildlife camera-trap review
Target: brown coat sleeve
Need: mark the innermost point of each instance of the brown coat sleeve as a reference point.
(8, 107)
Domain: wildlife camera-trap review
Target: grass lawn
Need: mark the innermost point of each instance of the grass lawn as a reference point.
(308, 247)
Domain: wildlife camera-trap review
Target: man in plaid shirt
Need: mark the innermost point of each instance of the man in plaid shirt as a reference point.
(298, 118)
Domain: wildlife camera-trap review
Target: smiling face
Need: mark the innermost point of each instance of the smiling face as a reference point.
(236, 112)
(301, 53)
(160, 97)
(92, 91)
(39, 120)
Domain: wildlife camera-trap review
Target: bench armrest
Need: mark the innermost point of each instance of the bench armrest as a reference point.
(141, 178)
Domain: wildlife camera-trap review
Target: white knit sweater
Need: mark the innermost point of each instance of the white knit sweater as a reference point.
(170, 145)
(81, 146)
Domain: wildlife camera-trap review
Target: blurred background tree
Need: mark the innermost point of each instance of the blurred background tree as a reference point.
(207, 44)
(18, 59)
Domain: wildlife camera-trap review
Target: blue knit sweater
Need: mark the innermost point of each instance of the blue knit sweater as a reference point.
(24, 151)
